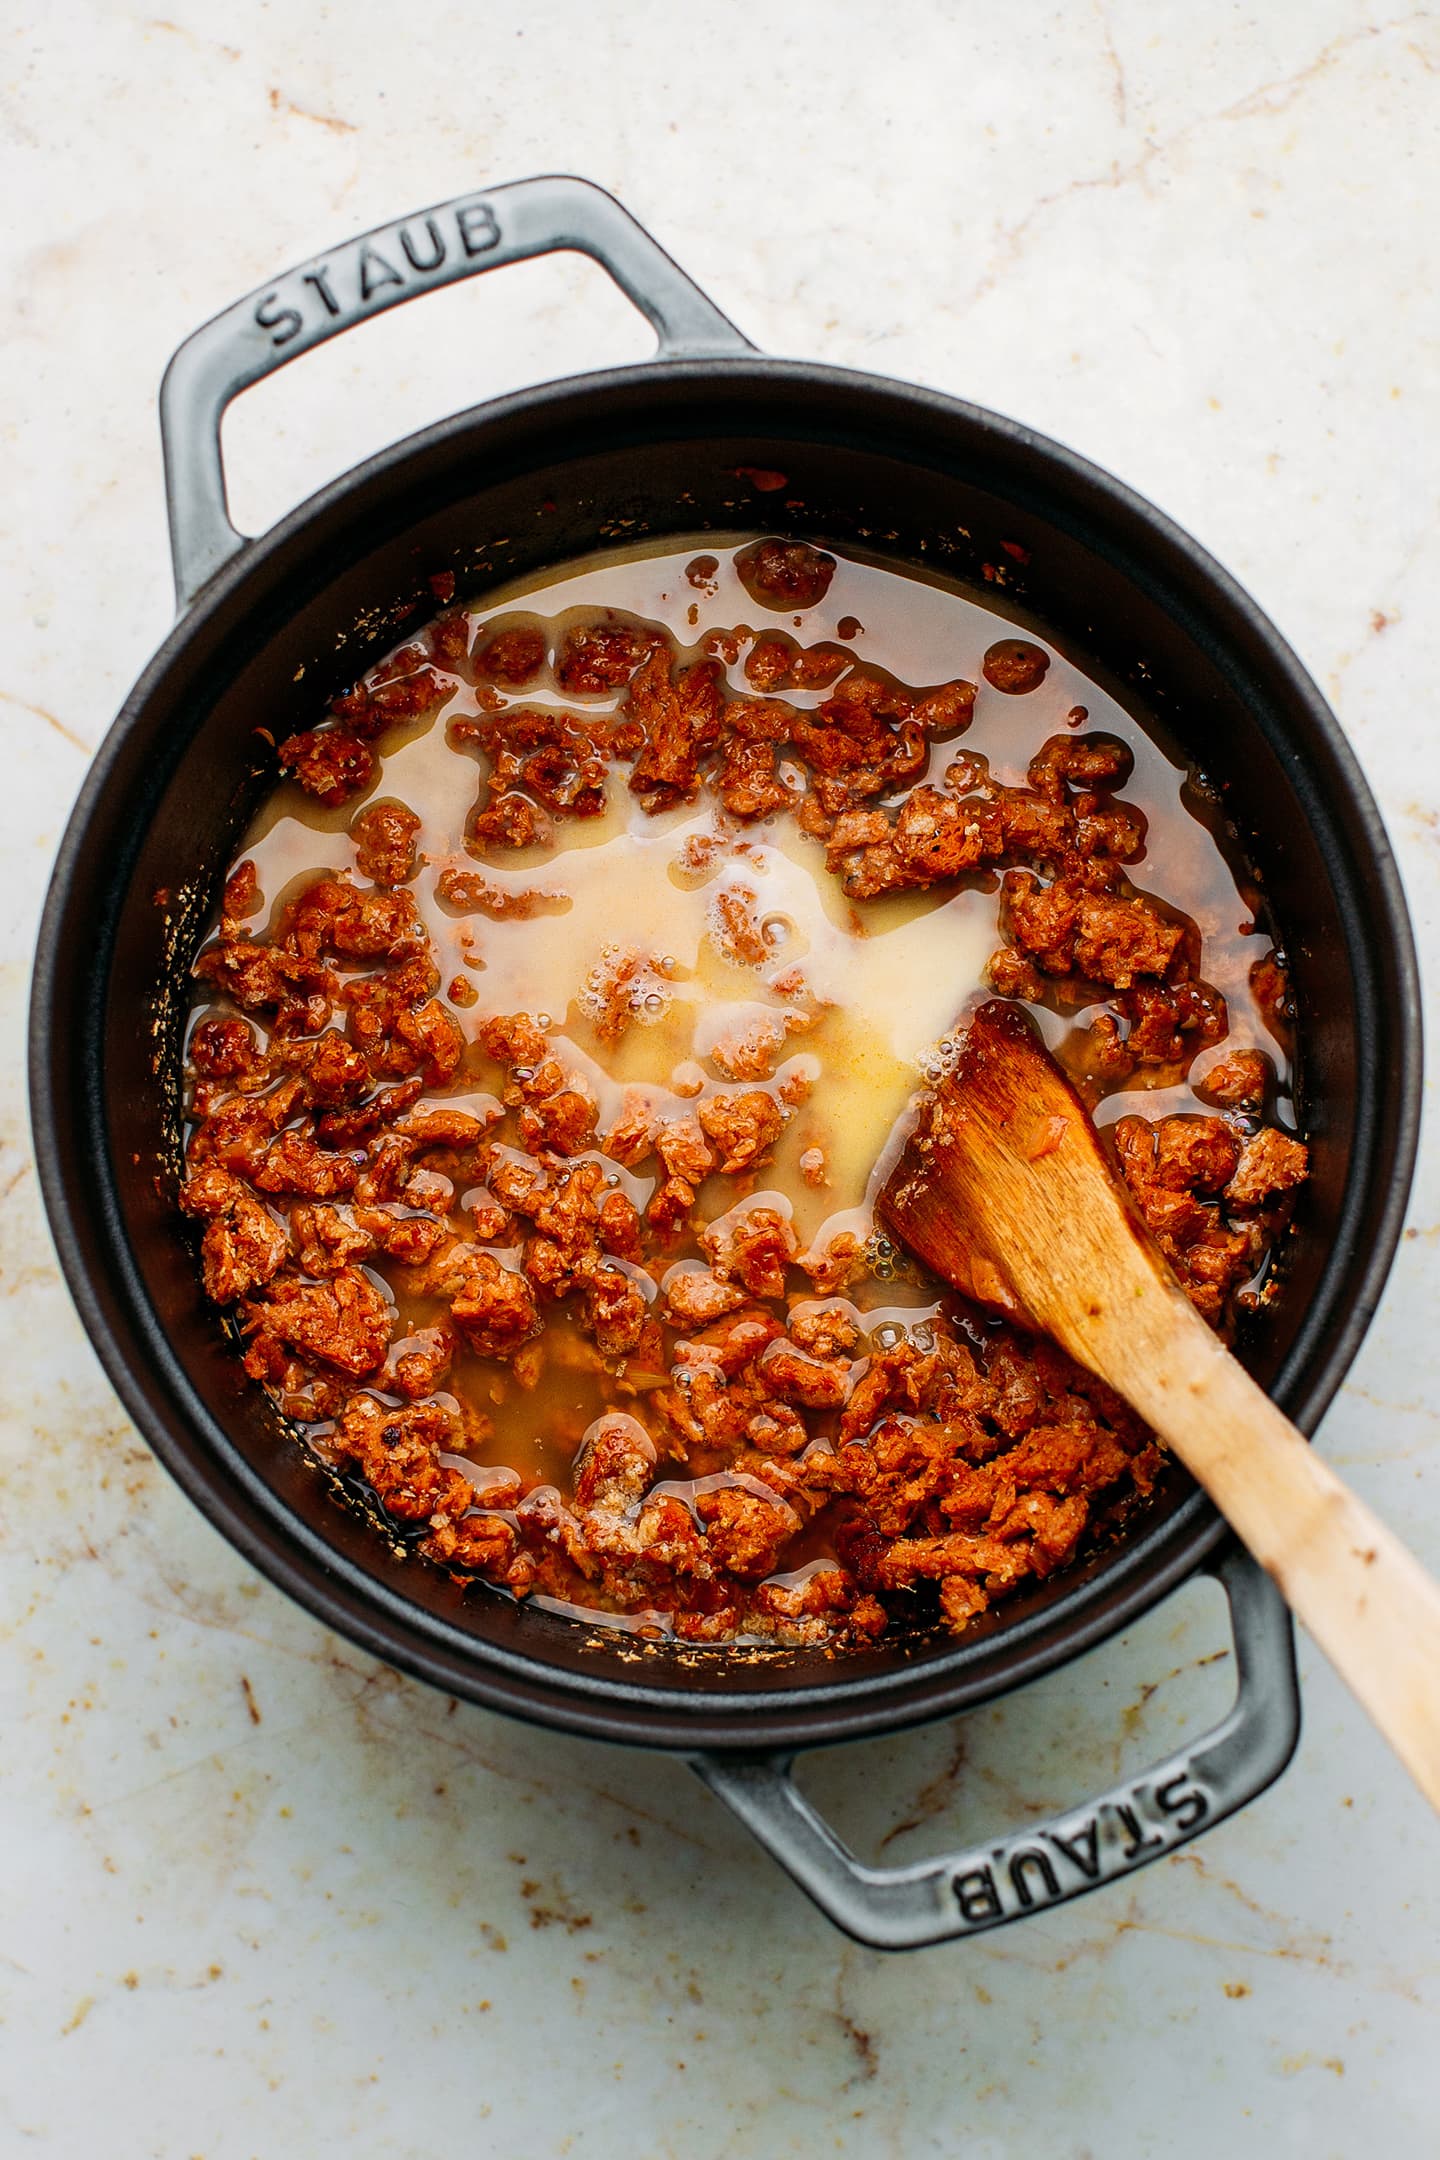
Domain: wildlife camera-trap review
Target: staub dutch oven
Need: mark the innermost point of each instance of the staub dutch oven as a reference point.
(269, 628)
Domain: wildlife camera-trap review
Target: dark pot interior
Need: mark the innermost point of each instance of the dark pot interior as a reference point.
(534, 480)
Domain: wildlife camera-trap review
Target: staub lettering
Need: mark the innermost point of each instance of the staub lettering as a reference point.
(375, 271)
(285, 322)
(1033, 1858)
(1141, 1840)
(1181, 1797)
(1081, 1847)
(1120, 1834)
(978, 1896)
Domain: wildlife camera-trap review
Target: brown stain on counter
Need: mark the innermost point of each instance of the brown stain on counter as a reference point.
(285, 106)
(1267, 100)
(7, 697)
(863, 2045)
(935, 1795)
(1317, 1946)
(1133, 1715)
(858, 2038)
(1315, 1952)
(552, 1906)
(188, 37)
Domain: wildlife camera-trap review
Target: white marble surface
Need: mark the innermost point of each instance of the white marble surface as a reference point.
(261, 1897)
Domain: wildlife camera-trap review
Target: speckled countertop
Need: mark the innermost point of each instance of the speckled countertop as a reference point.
(262, 1897)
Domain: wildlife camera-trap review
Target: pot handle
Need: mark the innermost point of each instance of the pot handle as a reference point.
(965, 1893)
(362, 277)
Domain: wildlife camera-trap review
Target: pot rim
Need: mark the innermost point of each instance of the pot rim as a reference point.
(251, 1514)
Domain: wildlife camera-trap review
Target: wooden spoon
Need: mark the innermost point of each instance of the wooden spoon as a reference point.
(1004, 1191)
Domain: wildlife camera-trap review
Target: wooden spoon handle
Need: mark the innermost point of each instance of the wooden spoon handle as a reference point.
(1372, 1608)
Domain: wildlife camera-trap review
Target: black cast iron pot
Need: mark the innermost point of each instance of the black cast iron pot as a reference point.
(269, 628)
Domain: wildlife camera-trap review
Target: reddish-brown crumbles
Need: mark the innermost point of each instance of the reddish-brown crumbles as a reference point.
(785, 573)
(384, 836)
(589, 1299)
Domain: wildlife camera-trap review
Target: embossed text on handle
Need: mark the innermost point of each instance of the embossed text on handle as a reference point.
(375, 272)
(1121, 1833)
